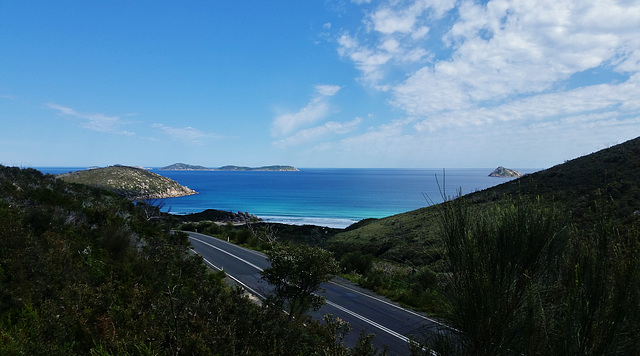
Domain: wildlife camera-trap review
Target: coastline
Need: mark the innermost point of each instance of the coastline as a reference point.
(330, 197)
(336, 223)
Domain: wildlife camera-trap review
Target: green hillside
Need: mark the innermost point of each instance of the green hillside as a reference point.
(545, 264)
(575, 186)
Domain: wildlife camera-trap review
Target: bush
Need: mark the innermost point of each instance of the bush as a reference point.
(356, 262)
(243, 236)
(500, 261)
(296, 273)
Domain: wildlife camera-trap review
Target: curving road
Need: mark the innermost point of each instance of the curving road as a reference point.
(391, 324)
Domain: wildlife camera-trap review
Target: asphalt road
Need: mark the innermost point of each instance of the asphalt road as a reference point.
(391, 324)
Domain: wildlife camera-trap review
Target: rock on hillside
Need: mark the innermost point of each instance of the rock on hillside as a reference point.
(502, 172)
(129, 182)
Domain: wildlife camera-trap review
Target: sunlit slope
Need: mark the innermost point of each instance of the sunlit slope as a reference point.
(129, 182)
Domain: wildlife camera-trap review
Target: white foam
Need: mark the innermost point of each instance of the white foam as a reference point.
(294, 220)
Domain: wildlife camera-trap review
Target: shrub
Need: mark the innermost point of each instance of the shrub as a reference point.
(356, 262)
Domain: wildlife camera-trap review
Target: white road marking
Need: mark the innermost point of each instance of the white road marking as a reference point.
(228, 253)
(234, 278)
(368, 321)
(392, 305)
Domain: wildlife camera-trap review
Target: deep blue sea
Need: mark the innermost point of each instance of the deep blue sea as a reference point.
(332, 197)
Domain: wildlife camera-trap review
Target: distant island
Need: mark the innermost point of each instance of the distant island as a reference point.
(502, 172)
(189, 167)
(130, 182)
(184, 167)
(264, 168)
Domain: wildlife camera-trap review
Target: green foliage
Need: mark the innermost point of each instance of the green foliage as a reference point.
(417, 288)
(414, 238)
(296, 273)
(599, 287)
(573, 186)
(357, 262)
(85, 272)
(523, 281)
(497, 259)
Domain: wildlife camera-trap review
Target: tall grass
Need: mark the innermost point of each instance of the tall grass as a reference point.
(523, 280)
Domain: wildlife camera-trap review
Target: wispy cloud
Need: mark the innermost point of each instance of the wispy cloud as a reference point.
(187, 135)
(394, 35)
(317, 108)
(94, 121)
(319, 132)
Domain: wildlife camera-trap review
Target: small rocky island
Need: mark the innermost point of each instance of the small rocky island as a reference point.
(130, 182)
(502, 172)
(189, 167)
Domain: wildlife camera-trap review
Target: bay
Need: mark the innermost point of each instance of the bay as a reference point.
(334, 197)
(326, 197)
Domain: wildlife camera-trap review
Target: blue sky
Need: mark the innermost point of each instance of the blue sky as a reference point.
(335, 83)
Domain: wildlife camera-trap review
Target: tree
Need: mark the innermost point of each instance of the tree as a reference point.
(296, 273)
(152, 208)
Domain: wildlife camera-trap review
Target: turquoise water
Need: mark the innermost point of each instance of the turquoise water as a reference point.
(328, 197)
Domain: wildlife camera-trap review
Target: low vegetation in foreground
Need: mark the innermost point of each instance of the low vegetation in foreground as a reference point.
(86, 272)
(545, 264)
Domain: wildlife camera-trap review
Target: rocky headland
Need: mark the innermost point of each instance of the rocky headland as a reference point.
(129, 182)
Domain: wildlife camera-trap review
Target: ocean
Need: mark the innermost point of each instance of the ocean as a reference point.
(333, 197)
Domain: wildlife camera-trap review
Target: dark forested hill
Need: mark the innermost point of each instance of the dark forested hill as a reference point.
(86, 272)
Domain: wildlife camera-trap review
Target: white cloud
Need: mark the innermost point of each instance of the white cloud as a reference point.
(94, 121)
(368, 61)
(613, 100)
(553, 74)
(392, 37)
(540, 144)
(496, 53)
(316, 133)
(387, 21)
(187, 135)
(317, 108)
(327, 90)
